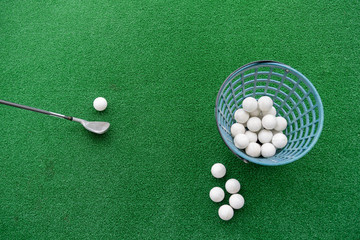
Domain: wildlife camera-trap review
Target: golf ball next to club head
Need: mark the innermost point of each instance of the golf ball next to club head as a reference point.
(100, 104)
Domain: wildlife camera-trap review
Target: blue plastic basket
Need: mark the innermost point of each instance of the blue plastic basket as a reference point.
(295, 98)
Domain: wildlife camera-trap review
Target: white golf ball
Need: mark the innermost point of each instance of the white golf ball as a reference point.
(217, 194)
(251, 135)
(226, 212)
(241, 141)
(281, 124)
(237, 128)
(255, 113)
(241, 116)
(269, 122)
(100, 104)
(232, 186)
(254, 124)
(249, 104)
(272, 111)
(279, 140)
(265, 136)
(236, 201)
(268, 150)
(253, 150)
(265, 103)
(218, 170)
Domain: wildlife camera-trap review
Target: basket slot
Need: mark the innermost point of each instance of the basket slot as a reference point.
(306, 132)
(225, 117)
(248, 87)
(300, 102)
(270, 92)
(233, 94)
(300, 90)
(239, 88)
(227, 92)
(268, 80)
(283, 77)
(236, 73)
(239, 84)
(305, 113)
(302, 138)
(299, 142)
(292, 126)
(226, 104)
(304, 126)
(230, 101)
(304, 86)
(260, 88)
(264, 68)
(226, 132)
(291, 154)
(255, 80)
(277, 75)
(243, 83)
(238, 91)
(304, 144)
(249, 76)
(279, 71)
(289, 94)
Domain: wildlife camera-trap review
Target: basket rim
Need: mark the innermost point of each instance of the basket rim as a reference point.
(244, 156)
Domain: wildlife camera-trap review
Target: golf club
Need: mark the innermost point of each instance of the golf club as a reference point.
(95, 127)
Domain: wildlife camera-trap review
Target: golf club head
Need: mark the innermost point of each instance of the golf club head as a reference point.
(95, 127)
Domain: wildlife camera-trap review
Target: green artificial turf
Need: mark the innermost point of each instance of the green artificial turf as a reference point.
(160, 64)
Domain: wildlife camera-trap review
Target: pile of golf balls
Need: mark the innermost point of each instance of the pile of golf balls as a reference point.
(217, 194)
(258, 130)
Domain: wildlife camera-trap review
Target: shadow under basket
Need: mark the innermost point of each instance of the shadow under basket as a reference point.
(294, 97)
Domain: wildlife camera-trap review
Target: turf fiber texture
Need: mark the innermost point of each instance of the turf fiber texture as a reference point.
(160, 64)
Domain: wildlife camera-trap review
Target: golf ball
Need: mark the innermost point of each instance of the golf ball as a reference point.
(237, 128)
(254, 124)
(217, 194)
(241, 141)
(241, 116)
(269, 122)
(249, 104)
(281, 124)
(218, 170)
(265, 103)
(268, 150)
(279, 140)
(226, 212)
(265, 136)
(236, 201)
(100, 104)
(253, 150)
(232, 186)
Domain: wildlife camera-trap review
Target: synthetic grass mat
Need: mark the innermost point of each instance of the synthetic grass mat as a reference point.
(160, 64)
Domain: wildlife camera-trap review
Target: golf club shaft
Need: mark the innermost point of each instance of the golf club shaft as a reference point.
(36, 110)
